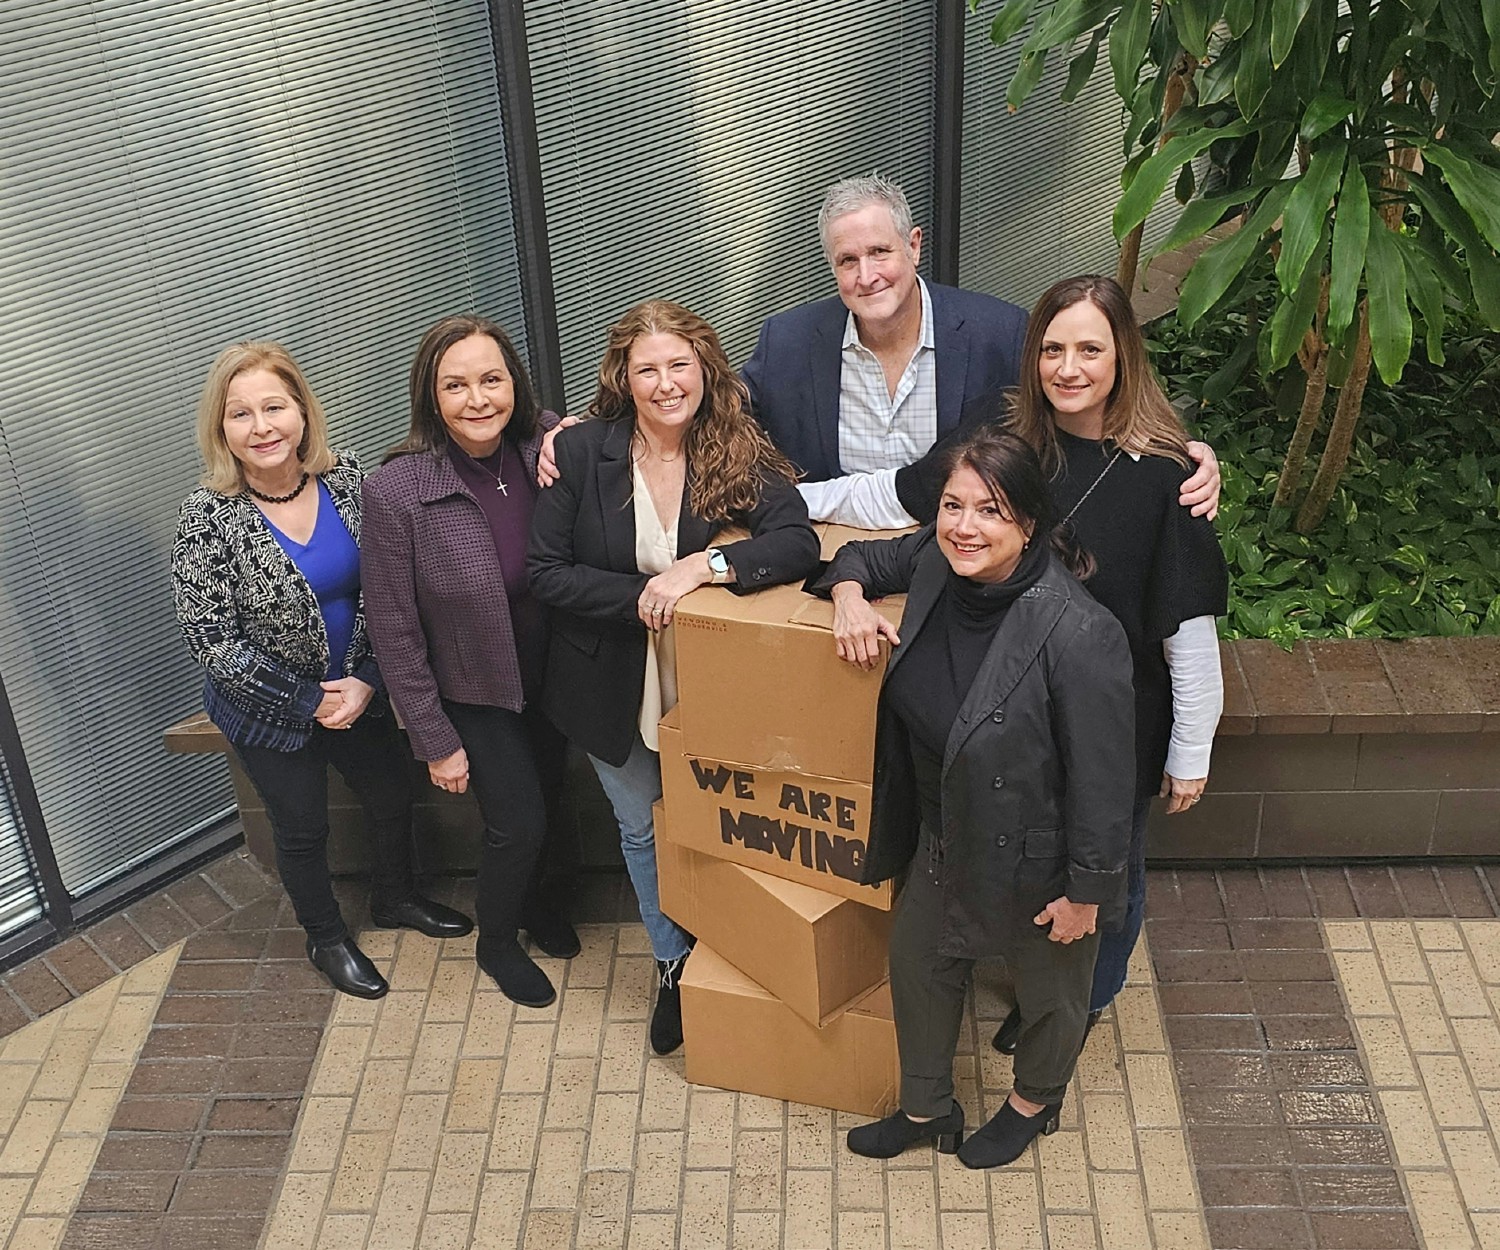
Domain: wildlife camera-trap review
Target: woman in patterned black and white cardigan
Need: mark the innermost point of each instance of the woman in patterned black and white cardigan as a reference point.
(265, 575)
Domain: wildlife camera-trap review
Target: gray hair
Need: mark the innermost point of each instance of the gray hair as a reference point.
(849, 195)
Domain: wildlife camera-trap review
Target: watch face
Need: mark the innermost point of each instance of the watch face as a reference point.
(718, 561)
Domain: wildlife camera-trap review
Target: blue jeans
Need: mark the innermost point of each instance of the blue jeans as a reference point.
(1116, 945)
(631, 789)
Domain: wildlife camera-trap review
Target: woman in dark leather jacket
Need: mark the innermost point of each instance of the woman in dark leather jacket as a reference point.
(1004, 777)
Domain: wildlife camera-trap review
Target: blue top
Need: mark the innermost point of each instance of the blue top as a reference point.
(330, 562)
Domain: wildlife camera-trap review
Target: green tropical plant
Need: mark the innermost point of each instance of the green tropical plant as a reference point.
(1356, 151)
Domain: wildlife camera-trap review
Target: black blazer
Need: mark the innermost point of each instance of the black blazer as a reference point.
(582, 562)
(1039, 772)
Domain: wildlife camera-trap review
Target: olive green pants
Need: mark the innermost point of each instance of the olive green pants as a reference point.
(1052, 981)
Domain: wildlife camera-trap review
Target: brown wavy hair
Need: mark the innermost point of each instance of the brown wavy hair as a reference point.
(728, 454)
(428, 431)
(1137, 416)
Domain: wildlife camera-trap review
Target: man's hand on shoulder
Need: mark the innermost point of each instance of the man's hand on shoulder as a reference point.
(546, 462)
(1201, 491)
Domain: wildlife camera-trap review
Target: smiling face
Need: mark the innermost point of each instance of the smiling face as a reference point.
(263, 425)
(977, 532)
(875, 267)
(475, 394)
(1077, 368)
(666, 382)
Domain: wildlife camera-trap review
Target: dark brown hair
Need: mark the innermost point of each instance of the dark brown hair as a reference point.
(427, 431)
(1012, 471)
(728, 454)
(1137, 416)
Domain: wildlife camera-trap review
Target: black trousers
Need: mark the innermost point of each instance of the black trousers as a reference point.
(928, 991)
(372, 758)
(516, 762)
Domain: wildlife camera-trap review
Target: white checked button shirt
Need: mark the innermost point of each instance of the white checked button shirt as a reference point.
(878, 430)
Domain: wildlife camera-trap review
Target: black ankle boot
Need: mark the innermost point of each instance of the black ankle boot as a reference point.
(666, 1017)
(885, 1139)
(513, 970)
(426, 916)
(1005, 1138)
(551, 932)
(347, 968)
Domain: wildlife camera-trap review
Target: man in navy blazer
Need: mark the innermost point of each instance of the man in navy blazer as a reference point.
(856, 386)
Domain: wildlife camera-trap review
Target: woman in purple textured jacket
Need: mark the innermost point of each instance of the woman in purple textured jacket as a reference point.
(462, 642)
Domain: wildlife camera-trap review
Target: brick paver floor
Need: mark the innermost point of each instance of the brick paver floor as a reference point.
(1307, 1058)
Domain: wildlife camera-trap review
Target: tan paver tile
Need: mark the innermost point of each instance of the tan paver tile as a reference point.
(416, 962)
(1476, 1167)
(435, 1057)
(38, 1233)
(1179, 1230)
(1071, 1232)
(1153, 1091)
(343, 1232)
(513, 1139)
(382, 1085)
(455, 1181)
(665, 1100)
(528, 1059)
(149, 977)
(398, 1216)
(502, 1199)
(129, 1022)
(809, 1137)
(1364, 984)
(1108, 1141)
(648, 1232)
(1488, 1228)
(1400, 955)
(1065, 1179)
(1122, 1210)
(622, 1065)
(1139, 1019)
(299, 1206)
(418, 1130)
(1449, 1092)
(911, 1199)
(757, 1170)
(1458, 984)
(548, 1230)
(341, 1063)
(1347, 935)
(1439, 935)
(710, 1128)
(859, 1183)
(1015, 1208)
(31, 1138)
(1099, 1066)
(1168, 1174)
(755, 1111)
(969, 1230)
(1422, 1018)
(704, 1219)
(62, 1178)
(400, 1020)
(488, 1028)
(865, 1229)
(612, 1131)
(61, 1072)
(631, 991)
(570, 1092)
(961, 1188)
(320, 1134)
(809, 1210)
(602, 1216)
(591, 967)
(30, 1044)
(658, 1172)
(445, 1231)
(757, 1230)
(1439, 1209)
(1479, 1041)
(361, 1171)
(581, 1022)
(15, 1085)
(452, 992)
(1483, 937)
(1413, 1133)
(1391, 1063)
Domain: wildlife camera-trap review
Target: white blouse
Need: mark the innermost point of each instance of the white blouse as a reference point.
(655, 552)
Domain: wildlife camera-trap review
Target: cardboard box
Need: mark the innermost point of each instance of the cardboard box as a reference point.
(760, 684)
(739, 1036)
(805, 829)
(818, 953)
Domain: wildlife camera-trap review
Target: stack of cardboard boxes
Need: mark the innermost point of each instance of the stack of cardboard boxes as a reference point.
(766, 774)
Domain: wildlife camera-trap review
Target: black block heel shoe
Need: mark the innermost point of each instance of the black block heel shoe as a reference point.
(551, 933)
(666, 1016)
(347, 968)
(885, 1139)
(1005, 1138)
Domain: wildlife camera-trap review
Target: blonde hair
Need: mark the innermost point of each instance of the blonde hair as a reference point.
(1137, 416)
(221, 471)
(728, 454)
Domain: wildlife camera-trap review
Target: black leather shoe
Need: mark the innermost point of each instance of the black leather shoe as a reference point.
(421, 914)
(552, 934)
(666, 1016)
(514, 971)
(885, 1139)
(1005, 1138)
(347, 968)
(1009, 1032)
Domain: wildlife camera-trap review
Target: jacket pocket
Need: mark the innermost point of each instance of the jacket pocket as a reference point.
(1042, 844)
(584, 640)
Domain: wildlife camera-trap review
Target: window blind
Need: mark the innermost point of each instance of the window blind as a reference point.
(1040, 186)
(181, 174)
(20, 902)
(685, 147)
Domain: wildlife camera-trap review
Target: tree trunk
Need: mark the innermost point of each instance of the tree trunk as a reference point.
(1307, 422)
(1172, 97)
(1341, 435)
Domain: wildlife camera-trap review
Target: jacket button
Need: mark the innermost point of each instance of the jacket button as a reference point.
(1002, 840)
(999, 715)
(999, 783)
(763, 572)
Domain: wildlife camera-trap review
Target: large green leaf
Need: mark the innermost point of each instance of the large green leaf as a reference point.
(1327, 110)
(1215, 271)
(1065, 22)
(1295, 313)
(1390, 317)
(1191, 19)
(1309, 57)
(1307, 212)
(1127, 45)
(1201, 216)
(1491, 10)
(1146, 187)
(1238, 14)
(1082, 67)
(1010, 19)
(1475, 186)
(1351, 235)
(1023, 82)
(1286, 17)
(1252, 80)
(1216, 82)
(1426, 291)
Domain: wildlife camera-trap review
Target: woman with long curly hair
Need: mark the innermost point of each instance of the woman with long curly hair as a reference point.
(669, 457)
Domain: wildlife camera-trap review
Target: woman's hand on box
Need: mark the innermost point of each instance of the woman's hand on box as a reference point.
(659, 600)
(857, 627)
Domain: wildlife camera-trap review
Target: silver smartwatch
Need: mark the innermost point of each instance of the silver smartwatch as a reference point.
(718, 565)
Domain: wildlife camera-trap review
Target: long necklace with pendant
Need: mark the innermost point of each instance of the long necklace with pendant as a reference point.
(1096, 482)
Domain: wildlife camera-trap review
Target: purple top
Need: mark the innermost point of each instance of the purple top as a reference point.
(330, 562)
(508, 515)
